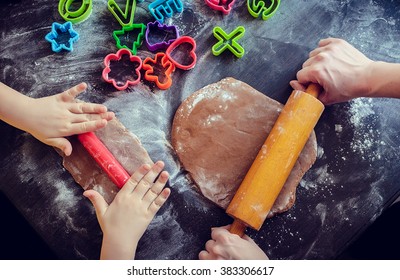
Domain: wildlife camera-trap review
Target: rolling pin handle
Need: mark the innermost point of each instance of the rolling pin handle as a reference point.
(237, 227)
(314, 89)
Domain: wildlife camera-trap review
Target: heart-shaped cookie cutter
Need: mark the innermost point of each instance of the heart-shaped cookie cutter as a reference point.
(117, 57)
(78, 15)
(224, 6)
(168, 33)
(162, 79)
(192, 54)
(57, 32)
(263, 8)
(228, 41)
(125, 30)
(160, 9)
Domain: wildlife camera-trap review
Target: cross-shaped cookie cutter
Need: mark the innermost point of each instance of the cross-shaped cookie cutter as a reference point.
(228, 41)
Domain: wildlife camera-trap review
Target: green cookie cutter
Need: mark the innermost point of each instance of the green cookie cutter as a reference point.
(125, 18)
(228, 41)
(78, 15)
(263, 8)
(125, 30)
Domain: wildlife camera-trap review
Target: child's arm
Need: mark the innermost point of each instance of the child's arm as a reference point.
(224, 245)
(124, 221)
(50, 119)
(345, 73)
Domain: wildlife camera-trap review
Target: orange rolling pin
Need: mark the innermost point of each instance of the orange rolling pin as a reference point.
(274, 162)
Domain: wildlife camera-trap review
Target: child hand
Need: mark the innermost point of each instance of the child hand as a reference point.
(124, 221)
(342, 70)
(51, 118)
(224, 245)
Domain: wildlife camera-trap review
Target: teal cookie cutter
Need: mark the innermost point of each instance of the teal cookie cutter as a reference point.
(263, 8)
(62, 36)
(228, 41)
(67, 12)
(160, 9)
(125, 18)
(134, 30)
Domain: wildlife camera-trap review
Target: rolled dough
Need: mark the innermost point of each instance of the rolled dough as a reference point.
(217, 133)
(125, 147)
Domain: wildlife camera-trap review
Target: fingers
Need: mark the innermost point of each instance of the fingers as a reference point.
(146, 183)
(87, 108)
(78, 128)
(73, 92)
(136, 177)
(61, 143)
(297, 86)
(157, 187)
(98, 202)
(159, 201)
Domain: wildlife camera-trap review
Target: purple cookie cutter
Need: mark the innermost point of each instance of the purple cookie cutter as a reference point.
(160, 36)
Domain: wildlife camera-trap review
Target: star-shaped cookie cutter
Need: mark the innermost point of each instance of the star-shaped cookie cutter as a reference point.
(224, 6)
(117, 57)
(263, 8)
(62, 36)
(125, 18)
(136, 43)
(160, 9)
(159, 70)
(190, 53)
(160, 36)
(228, 41)
(75, 15)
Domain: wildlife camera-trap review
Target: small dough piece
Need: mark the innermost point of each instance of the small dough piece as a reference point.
(125, 147)
(217, 133)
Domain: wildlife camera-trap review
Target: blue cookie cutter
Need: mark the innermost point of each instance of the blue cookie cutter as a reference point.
(160, 36)
(160, 9)
(62, 36)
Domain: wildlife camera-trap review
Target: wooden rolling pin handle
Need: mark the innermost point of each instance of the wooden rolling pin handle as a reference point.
(237, 227)
(314, 90)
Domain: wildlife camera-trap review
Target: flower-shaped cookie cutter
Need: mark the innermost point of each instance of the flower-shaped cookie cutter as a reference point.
(263, 8)
(159, 70)
(161, 9)
(228, 41)
(224, 6)
(125, 18)
(75, 15)
(160, 36)
(62, 36)
(189, 54)
(137, 29)
(118, 57)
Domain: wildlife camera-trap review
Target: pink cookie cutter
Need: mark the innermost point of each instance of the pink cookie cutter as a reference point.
(224, 6)
(178, 51)
(122, 84)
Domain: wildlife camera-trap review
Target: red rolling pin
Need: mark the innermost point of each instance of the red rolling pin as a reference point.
(104, 158)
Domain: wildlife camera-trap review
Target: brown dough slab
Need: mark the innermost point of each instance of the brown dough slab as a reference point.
(125, 147)
(217, 133)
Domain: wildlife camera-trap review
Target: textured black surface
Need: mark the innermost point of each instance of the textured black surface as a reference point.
(357, 170)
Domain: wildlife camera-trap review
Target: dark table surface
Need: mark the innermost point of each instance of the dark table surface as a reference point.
(356, 175)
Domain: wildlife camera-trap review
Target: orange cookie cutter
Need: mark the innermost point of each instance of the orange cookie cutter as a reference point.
(191, 53)
(162, 79)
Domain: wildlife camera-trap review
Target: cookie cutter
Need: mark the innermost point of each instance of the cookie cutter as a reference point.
(160, 9)
(173, 48)
(228, 41)
(62, 36)
(68, 14)
(126, 30)
(125, 18)
(117, 57)
(159, 70)
(224, 6)
(263, 8)
(160, 36)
